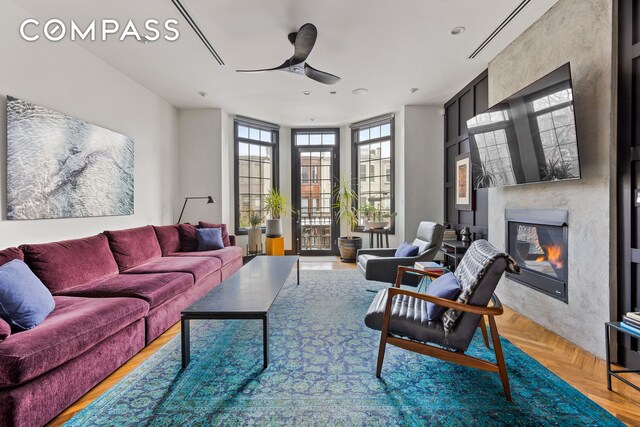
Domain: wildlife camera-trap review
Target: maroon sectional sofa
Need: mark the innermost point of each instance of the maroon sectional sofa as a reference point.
(114, 293)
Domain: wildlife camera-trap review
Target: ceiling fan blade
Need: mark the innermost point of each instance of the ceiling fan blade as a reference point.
(320, 76)
(304, 41)
(286, 65)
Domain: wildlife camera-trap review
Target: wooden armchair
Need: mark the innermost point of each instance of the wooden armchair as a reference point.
(396, 313)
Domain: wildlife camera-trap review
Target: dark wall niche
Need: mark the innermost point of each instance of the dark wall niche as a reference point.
(471, 100)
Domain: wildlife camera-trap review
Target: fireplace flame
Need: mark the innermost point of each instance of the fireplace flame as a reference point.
(554, 255)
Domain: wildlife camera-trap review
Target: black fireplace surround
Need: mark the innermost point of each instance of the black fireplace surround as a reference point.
(537, 240)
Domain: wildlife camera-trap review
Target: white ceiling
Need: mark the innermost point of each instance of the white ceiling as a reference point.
(387, 47)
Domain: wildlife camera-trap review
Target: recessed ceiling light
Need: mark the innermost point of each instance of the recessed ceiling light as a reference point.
(307, 92)
(203, 94)
(413, 90)
(457, 31)
(359, 91)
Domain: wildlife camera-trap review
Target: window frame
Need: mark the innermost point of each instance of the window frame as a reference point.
(355, 161)
(275, 150)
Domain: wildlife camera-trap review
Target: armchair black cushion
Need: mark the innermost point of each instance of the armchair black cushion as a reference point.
(382, 265)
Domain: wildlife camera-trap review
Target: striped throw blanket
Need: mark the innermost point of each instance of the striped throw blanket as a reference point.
(469, 272)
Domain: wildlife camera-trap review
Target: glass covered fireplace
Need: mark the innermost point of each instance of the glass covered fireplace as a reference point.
(537, 240)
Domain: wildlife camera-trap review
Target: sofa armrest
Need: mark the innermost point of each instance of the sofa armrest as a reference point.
(232, 239)
(382, 252)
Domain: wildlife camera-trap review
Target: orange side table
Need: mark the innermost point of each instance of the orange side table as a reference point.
(275, 246)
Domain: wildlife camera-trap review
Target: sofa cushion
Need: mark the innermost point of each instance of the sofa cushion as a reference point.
(10, 254)
(226, 255)
(223, 227)
(209, 239)
(188, 239)
(445, 287)
(153, 288)
(168, 238)
(133, 246)
(5, 330)
(76, 325)
(24, 301)
(66, 264)
(199, 267)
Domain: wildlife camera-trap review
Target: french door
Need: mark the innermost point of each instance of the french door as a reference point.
(316, 163)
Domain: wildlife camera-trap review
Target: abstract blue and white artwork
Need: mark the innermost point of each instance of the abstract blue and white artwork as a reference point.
(62, 167)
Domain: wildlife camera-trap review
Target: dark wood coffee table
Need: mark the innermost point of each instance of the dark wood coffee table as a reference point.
(248, 294)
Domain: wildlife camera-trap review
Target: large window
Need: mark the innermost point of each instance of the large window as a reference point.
(373, 145)
(256, 166)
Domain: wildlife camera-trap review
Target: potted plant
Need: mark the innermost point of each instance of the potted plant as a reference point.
(277, 205)
(255, 233)
(378, 221)
(346, 198)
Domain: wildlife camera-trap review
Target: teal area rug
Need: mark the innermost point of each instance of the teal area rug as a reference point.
(322, 372)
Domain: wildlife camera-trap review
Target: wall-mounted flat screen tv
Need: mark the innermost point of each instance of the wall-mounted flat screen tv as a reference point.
(529, 137)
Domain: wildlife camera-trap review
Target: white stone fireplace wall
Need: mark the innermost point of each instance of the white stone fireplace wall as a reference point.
(579, 32)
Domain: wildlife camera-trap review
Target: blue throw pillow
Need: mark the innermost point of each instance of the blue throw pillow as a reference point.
(406, 250)
(209, 239)
(24, 301)
(445, 287)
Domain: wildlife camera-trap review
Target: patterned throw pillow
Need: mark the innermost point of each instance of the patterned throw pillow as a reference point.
(476, 261)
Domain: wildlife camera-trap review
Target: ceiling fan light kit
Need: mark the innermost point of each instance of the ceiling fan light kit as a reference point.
(303, 41)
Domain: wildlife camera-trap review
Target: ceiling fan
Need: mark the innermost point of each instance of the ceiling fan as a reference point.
(302, 41)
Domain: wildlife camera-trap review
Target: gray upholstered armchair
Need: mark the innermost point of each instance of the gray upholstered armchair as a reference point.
(381, 264)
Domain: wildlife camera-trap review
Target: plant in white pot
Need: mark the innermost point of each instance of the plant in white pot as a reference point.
(277, 205)
(375, 218)
(346, 198)
(255, 233)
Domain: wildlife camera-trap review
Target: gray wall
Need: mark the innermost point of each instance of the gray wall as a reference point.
(423, 170)
(579, 31)
(201, 173)
(65, 77)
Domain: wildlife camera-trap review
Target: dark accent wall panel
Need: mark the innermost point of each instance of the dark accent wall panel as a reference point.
(471, 100)
(451, 121)
(482, 95)
(628, 172)
(466, 106)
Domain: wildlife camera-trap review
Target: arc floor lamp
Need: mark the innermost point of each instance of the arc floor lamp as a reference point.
(186, 199)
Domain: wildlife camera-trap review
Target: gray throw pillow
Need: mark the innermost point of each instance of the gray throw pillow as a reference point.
(421, 244)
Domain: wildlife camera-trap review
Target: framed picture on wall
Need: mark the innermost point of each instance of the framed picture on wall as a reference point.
(464, 189)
